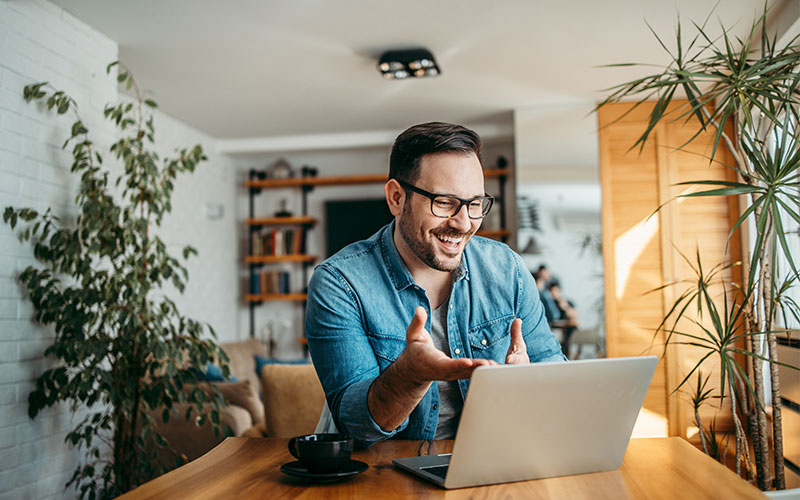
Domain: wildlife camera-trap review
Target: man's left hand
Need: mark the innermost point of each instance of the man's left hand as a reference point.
(517, 351)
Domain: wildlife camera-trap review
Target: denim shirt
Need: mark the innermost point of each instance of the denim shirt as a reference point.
(362, 299)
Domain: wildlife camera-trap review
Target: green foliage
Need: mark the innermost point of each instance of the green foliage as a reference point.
(121, 344)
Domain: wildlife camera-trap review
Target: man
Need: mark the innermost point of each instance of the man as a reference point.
(543, 278)
(422, 301)
(565, 317)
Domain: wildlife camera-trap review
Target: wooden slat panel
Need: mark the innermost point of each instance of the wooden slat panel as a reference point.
(635, 183)
(630, 195)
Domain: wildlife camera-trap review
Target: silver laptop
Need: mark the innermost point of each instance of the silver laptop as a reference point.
(540, 420)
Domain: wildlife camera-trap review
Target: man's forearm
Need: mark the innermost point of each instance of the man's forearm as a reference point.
(394, 395)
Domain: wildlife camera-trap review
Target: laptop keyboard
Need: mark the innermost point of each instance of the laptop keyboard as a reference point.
(437, 470)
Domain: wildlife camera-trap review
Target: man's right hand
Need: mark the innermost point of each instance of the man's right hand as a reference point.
(397, 391)
(422, 362)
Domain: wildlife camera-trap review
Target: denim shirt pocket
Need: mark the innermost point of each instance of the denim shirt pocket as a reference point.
(387, 347)
(490, 339)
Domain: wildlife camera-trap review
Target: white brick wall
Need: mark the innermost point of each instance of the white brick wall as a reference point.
(212, 293)
(39, 41)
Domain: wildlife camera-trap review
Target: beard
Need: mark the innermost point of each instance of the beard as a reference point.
(426, 250)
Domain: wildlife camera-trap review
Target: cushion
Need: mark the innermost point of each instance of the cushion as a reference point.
(293, 399)
(239, 393)
(240, 355)
(243, 394)
(212, 373)
(262, 361)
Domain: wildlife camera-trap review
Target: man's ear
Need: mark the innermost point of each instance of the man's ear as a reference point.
(395, 196)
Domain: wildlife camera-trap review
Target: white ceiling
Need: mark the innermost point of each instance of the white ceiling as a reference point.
(258, 69)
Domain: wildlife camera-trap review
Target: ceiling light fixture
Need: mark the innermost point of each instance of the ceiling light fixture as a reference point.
(411, 63)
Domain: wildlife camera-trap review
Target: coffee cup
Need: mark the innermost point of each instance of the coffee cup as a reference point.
(322, 452)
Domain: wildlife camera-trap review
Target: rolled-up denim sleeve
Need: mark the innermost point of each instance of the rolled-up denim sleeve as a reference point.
(342, 354)
(539, 339)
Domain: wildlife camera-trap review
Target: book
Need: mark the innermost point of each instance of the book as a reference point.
(257, 247)
(297, 241)
(278, 246)
(255, 283)
(288, 241)
(283, 282)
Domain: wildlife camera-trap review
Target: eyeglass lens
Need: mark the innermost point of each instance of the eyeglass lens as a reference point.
(445, 206)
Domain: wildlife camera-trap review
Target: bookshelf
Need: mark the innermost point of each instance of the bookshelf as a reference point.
(274, 240)
(258, 226)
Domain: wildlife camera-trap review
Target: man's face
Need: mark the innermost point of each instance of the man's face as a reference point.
(437, 242)
(544, 275)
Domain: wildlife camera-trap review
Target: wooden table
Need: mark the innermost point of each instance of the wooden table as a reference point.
(244, 468)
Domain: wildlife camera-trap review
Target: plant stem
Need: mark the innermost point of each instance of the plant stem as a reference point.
(777, 419)
(700, 427)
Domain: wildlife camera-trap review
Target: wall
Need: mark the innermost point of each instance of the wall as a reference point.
(204, 216)
(39, 41)
(330, 162)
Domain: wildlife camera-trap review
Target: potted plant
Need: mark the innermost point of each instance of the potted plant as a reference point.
(746, 92)
(120, 343)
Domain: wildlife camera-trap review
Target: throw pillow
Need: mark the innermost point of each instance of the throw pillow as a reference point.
(211, 373)
(242, 394)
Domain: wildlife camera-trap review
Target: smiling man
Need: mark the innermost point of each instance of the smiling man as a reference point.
(396, 323)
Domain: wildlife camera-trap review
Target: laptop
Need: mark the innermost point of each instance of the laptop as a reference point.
(539, 420)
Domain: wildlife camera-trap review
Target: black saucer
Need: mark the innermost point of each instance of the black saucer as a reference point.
(297, 469)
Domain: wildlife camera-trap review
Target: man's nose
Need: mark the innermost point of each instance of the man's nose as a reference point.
(461, 220)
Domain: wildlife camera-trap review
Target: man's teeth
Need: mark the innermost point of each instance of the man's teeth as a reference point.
(450, 240)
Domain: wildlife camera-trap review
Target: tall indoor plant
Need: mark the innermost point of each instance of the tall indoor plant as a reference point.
(746, 92)
(120, 343)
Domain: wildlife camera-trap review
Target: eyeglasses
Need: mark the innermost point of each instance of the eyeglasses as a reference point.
(446, 206)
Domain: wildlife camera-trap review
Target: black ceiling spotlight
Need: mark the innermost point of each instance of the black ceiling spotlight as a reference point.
(400, 64)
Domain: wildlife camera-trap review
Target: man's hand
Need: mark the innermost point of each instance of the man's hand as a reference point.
(422, 362)
(397, 391)
(517, 351)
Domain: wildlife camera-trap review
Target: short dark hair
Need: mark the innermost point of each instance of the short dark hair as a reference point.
(553, 283)
(429, 138)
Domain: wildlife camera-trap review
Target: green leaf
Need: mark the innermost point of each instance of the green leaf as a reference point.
(151, 103)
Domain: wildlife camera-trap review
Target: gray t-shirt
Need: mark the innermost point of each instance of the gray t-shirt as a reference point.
(450, 400)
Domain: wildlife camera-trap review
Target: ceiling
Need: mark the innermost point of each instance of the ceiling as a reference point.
(260, 69)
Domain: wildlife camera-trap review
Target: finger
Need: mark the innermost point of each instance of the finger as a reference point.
(517, 342)
(416, 329)
(460, 368)
(517, 351)
(515, 359)
(482, 362)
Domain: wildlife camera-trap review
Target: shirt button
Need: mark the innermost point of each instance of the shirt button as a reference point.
(457, 351)
(435, 406)
(483, 342)
(451, 307)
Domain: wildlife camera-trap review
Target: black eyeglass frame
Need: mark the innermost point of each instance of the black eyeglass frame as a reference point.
(461, 201)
